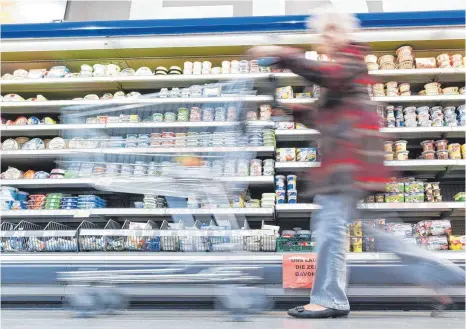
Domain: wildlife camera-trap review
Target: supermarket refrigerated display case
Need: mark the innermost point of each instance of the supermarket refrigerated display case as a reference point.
(32, 276)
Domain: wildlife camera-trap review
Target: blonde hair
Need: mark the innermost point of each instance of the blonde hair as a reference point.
(329, 15)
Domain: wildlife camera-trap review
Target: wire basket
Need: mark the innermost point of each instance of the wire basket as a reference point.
(16, 239)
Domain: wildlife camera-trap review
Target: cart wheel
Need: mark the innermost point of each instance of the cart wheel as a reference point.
(110, 299)
(84, 303)
(241, 301)
(118, 301)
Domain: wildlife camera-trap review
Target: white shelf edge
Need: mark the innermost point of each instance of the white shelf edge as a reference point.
(296, 207)
(159, 150)
(407, 99)
(291, 165)
(413, 206)
(422, 206)
(419, 72)
(84, 213)
(112, 257)
(207, 77)
(76, 105)
(406, 163)
(75, 182)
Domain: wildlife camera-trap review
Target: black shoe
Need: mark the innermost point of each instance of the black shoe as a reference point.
(300, 312)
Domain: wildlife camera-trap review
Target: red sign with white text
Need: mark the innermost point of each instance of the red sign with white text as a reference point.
(299, 270)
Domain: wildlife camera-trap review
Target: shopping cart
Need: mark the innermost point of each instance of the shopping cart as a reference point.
(187, 174)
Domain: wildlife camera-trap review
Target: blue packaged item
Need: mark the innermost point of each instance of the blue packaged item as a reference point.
(153, 244)
(268, 61)
(6, 204)
(22, 196)
(18, 205)
(281, 196)
(291, 182)
(400, 123)
(33, 121)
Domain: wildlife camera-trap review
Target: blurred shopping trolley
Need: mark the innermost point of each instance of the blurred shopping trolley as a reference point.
(180, 143)
(233, 286)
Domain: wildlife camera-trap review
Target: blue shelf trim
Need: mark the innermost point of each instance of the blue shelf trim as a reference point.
(220, 25)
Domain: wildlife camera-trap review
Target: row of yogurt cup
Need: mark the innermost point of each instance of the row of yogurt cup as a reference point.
(165, 139)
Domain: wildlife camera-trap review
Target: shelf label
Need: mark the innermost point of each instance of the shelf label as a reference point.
(299, 270)
(82, 213)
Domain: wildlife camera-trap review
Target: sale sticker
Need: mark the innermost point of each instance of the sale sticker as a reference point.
(299, 270)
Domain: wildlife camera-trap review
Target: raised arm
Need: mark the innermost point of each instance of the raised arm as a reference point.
(349, 65)
(332, 75)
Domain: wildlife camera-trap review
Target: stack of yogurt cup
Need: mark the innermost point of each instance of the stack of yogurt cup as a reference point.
(197, 68)
(285, 189)
(226, 67)
(268, 167)
(234, 67)
(268, 200)
(254, 66)
(188, 67)
(243, 66)
(206, 67)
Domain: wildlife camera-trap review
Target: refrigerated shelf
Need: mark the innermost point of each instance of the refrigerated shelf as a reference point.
(35, 215)
(48, 153)
(405, 210)
(89, 182)
(406, 165)
(402, 132)
(168, 81)
(421, 99)
(142, 103)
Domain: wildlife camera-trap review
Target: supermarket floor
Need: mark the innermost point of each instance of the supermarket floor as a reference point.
(50, 319)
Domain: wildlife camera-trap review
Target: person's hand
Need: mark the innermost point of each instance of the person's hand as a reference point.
(265, 51)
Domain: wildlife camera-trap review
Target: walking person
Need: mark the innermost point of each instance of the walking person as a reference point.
(352, 161)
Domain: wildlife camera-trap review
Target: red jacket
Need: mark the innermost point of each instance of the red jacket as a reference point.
(351, 146)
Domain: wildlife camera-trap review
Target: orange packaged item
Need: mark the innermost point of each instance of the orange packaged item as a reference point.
(29, 174)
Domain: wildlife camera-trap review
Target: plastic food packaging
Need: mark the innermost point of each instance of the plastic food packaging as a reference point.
(413, 187)
(457, 242)
(286, 154)
(400, 230)
(454, 150)
(402, 156)
(426, 63)
(389, 156)
(441, 145)
(388, 146)
(414, 197)
(380, 198)
(395, 187)
(284, 93)
(434, 243)
(433, 228)
(394, 197)
(428, 155)
(400, 145)
(308, 154)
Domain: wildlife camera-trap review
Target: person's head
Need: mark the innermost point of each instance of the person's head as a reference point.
(336, 28)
